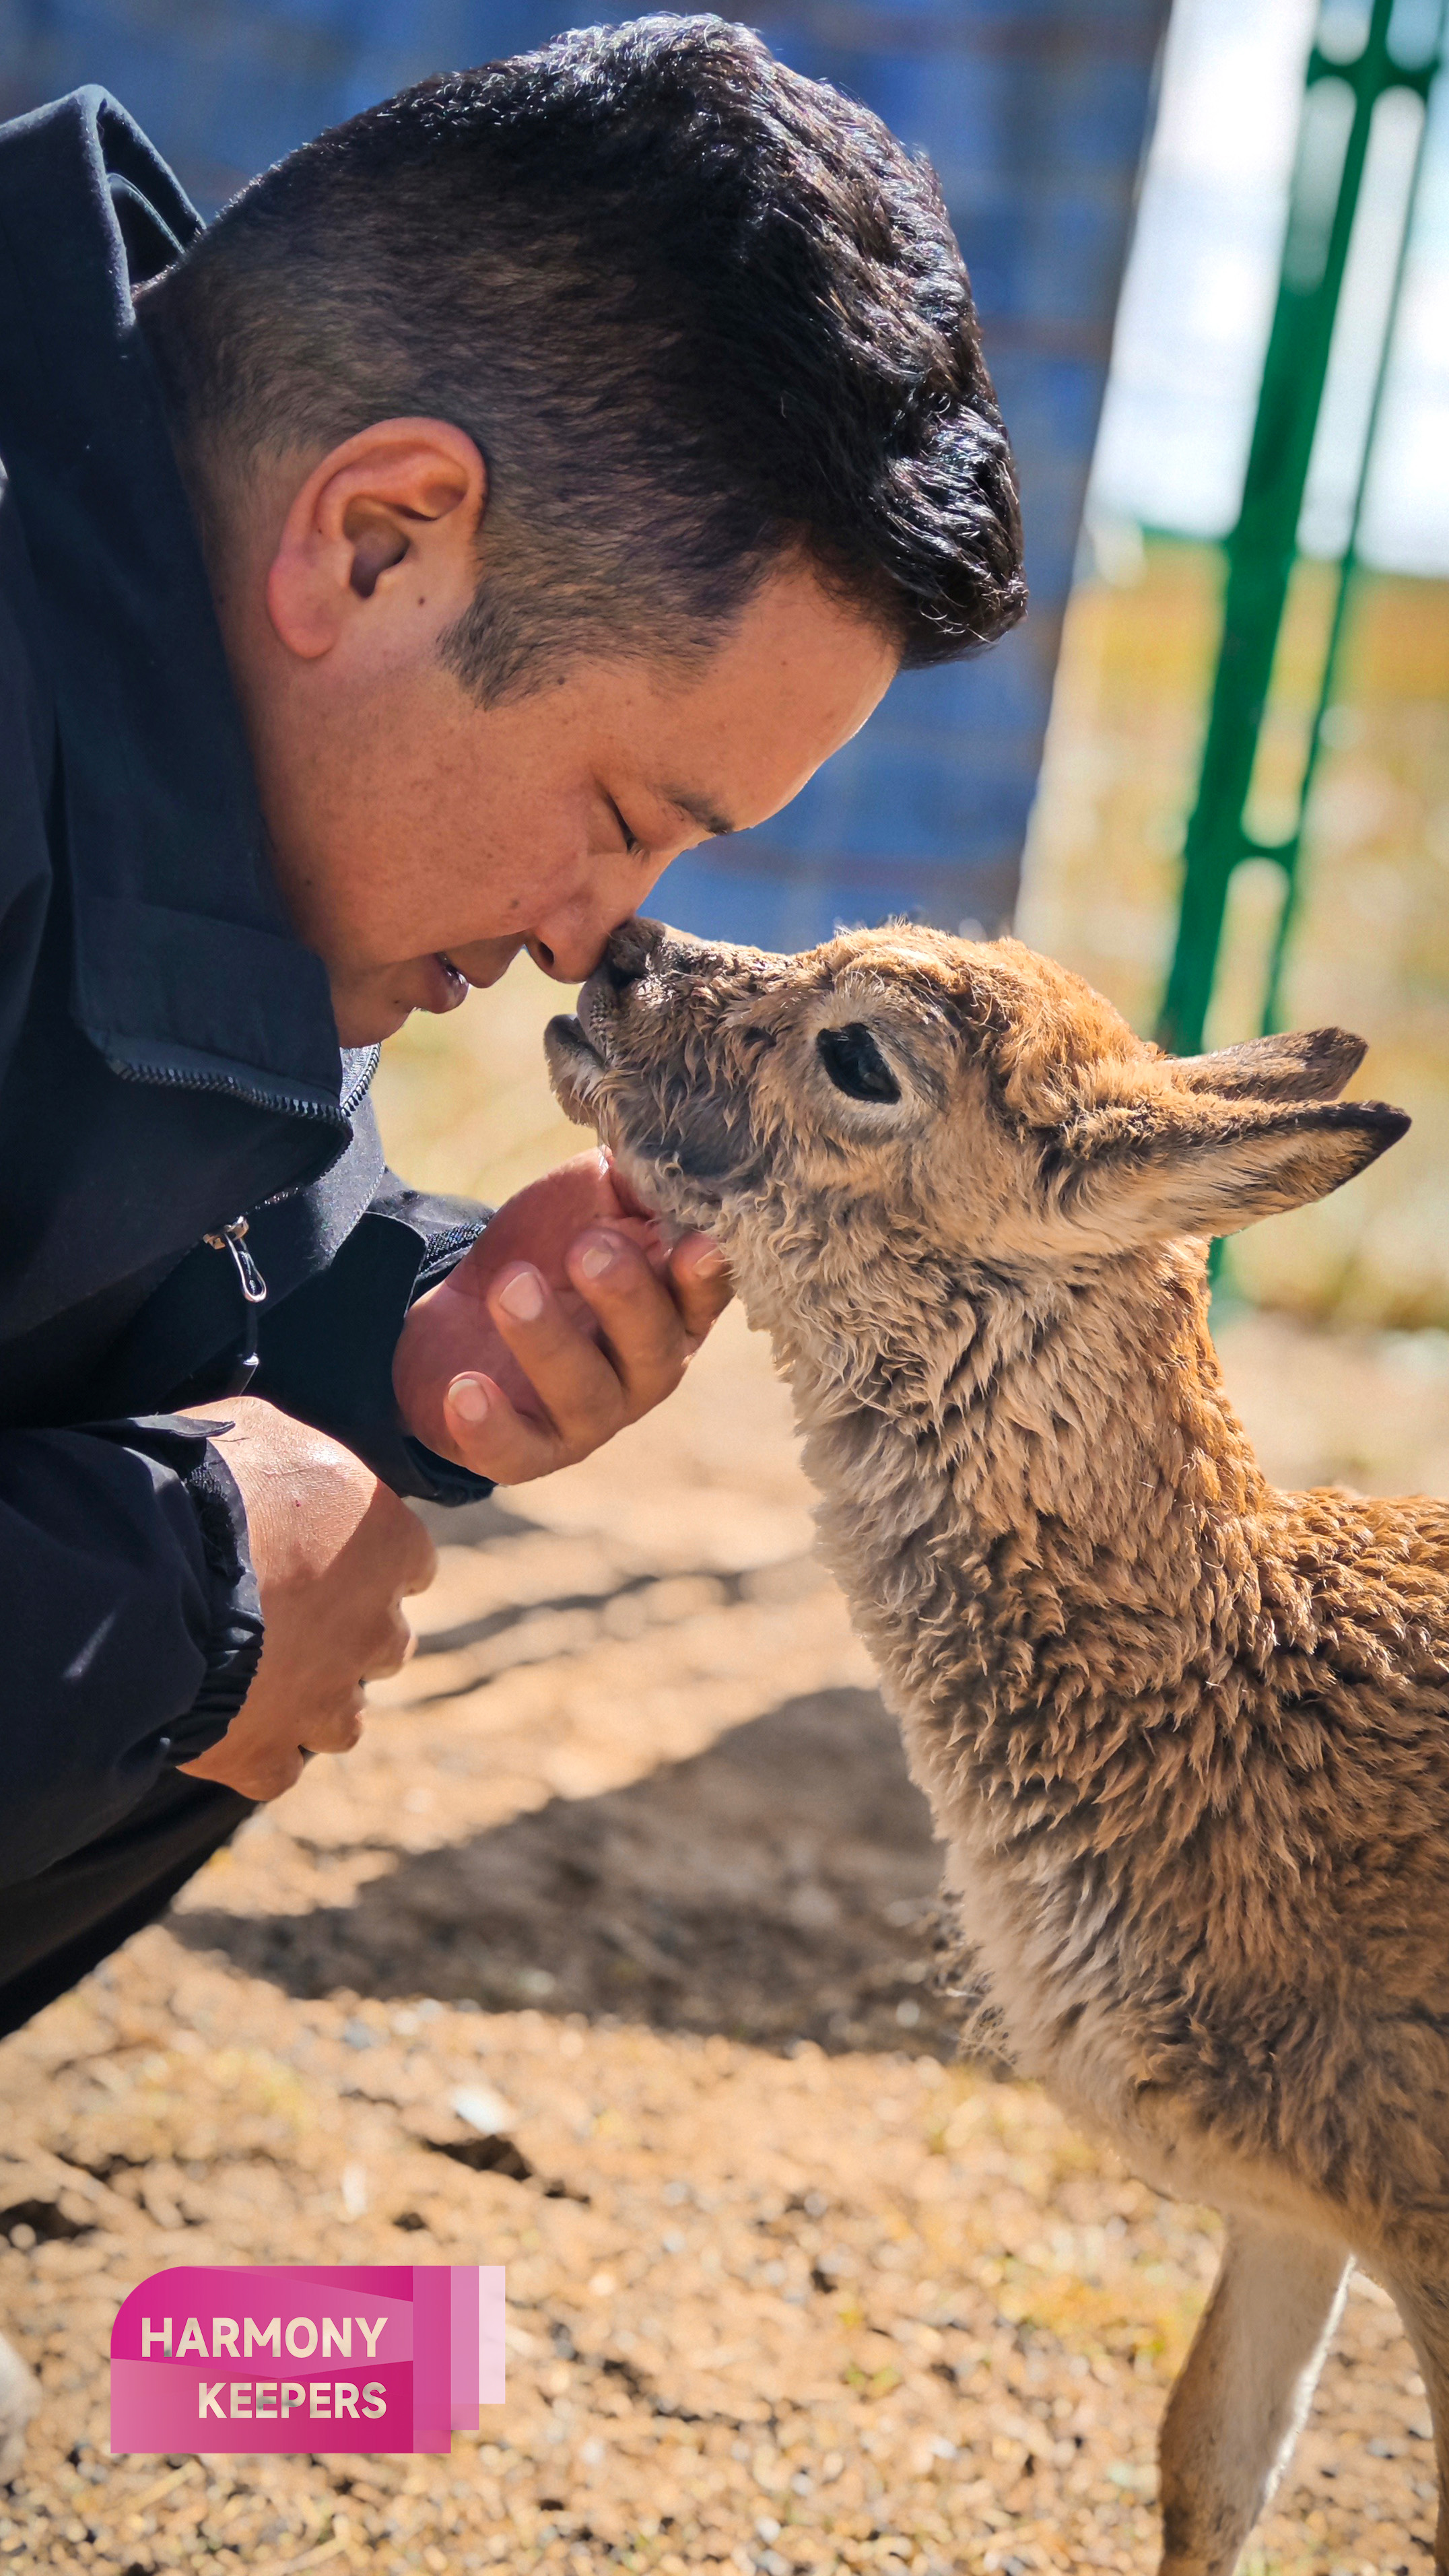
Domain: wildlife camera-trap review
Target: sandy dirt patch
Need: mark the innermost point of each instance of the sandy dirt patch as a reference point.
(607, 1957)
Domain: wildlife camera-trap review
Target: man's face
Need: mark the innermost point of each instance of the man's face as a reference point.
(428, 839)
(420, 839)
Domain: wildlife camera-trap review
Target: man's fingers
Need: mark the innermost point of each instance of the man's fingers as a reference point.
(390, 1650)
(650, 1325)
(646, 1332)
(338, 1733)
(270, 1776)
(573, 1379)
(419, 1557)
(393, 1552)
(700, 1279)
(492, 1439)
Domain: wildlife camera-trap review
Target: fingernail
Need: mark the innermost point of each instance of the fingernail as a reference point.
(710, 1264)
(599, 1254)
(470, 1399)
(523, 1297)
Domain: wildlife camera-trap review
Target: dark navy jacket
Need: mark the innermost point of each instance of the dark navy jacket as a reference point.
(168, 1056)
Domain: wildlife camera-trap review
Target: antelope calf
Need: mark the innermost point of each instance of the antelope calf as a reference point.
(1185, 1737)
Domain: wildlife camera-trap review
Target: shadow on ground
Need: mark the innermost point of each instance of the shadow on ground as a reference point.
(780, 1885)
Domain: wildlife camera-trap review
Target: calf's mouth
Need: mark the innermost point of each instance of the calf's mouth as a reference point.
(675, 1147)
(593, 1086)
(577, 1046)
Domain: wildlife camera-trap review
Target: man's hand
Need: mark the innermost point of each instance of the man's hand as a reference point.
(568, 1318)
(335, 1552)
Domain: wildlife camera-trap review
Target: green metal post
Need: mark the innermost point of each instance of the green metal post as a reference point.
(1289, 852)
(1263, 546)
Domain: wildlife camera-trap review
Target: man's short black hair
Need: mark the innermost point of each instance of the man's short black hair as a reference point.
(700, 315)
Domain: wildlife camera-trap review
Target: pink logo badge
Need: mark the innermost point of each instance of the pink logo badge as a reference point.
(306, 2357)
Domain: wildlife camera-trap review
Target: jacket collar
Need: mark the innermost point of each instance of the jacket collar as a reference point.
(186, 969)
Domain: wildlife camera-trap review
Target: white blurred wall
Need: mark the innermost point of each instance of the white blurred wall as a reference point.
(1198, 298)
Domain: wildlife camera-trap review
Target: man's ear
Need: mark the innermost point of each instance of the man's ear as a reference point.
(1145, 1171)
(1301, 1064)
(388, 520)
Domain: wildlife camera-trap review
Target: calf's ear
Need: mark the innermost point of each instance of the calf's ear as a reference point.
(1144, 1171)
(1299, 1064)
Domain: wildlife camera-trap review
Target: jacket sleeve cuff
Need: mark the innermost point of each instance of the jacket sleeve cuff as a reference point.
(327, 1352)
(234, 1648)
(234, 1641)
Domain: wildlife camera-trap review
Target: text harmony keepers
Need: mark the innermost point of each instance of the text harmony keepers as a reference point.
(299, 2336)
(282, 2397)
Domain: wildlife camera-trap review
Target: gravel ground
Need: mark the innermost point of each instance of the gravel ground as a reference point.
(630, 1847)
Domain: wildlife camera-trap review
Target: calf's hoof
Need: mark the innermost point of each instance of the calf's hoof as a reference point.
(19, 2398)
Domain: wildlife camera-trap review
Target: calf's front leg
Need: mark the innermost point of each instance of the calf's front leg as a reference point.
(1421, 2292)
(19, 2398)
(1237, 2410)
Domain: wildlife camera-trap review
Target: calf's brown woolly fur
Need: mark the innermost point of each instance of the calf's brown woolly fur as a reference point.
(1185, 1737)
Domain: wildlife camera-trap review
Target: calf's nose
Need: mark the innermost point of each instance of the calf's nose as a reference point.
(629, 952)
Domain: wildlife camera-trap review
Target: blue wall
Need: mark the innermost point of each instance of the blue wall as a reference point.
(1033, 112)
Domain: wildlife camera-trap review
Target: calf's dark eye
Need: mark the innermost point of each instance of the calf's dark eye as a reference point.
(855, 1064)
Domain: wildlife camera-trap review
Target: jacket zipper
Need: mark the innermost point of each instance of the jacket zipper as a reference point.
(233, 1239)
(288, 1102)
(356, 1090)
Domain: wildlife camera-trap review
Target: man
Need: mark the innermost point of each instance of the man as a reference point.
(547, 469)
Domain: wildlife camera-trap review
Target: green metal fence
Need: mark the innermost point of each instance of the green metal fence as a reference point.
(1362, 57)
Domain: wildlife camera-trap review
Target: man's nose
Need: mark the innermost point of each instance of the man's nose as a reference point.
(570, 954)
(567, 955)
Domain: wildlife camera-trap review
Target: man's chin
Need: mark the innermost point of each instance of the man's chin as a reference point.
(373, 1005)
(366, 1023)
(369, 1008)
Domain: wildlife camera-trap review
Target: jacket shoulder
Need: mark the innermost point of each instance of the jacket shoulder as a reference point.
(27, 767)
(27, 702)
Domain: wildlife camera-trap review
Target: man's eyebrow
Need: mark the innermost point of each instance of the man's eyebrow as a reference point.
(699, 810)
